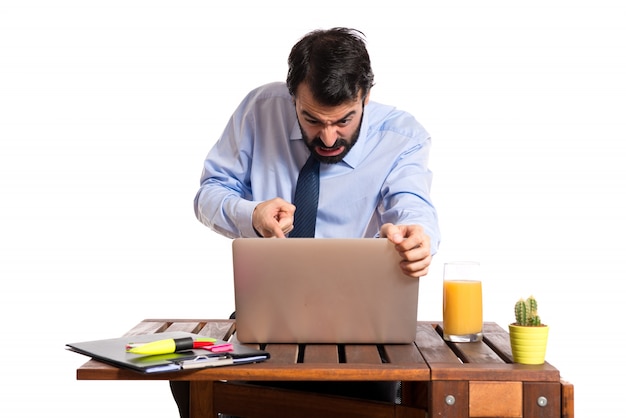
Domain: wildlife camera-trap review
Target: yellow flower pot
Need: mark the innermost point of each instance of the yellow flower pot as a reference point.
(528, 344)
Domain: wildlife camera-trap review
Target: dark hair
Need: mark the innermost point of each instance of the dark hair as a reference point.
(334, 63)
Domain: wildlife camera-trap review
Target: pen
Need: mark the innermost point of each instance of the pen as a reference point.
(170, 345)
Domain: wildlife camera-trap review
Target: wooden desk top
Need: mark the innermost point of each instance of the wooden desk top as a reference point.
(430, 358)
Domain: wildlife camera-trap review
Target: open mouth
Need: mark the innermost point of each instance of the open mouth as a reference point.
(329, 152)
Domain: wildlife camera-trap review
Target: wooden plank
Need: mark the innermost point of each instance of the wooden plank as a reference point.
(95, 370)
(449, 399)
(192, 327)
(542, 399)
(567, 399)
(403, 411)
(327, 371)
(360, 353)
(499, 372)
(201, 399)
(220, 329)
(409, 355)
(321, 353)
(498, 339)
(495, 399)
(477, 352)
(269, 402)
(432, 347)
(404, 354)
(283, 353)
(482, 351)
(267, 370)
(148, 327)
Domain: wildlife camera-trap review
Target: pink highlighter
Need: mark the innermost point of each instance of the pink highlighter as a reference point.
(219, 348)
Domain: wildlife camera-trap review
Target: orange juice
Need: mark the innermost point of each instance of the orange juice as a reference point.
(462, 307)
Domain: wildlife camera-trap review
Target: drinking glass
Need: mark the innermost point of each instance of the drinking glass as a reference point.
(462, 302)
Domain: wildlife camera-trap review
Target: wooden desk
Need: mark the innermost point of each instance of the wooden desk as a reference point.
(438, 378)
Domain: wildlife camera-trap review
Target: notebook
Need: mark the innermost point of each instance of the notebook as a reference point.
(322, 290)
(113, 351)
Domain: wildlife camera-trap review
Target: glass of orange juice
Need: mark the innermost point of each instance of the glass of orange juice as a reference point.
(462, 302)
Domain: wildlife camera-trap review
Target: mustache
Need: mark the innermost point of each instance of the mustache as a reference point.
(317, 142)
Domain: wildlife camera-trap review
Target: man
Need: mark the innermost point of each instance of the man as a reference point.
(374, 179)
(373, 174)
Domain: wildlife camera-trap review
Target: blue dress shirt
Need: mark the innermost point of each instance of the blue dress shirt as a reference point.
(384, 178)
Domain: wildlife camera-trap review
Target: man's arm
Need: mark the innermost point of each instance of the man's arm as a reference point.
(249, 165)
(409, 217)
(224, 200)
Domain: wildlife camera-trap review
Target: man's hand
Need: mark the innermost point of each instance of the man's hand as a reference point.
(273, 218)
(412, 244)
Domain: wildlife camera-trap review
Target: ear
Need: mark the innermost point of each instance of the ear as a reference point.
(366, 99)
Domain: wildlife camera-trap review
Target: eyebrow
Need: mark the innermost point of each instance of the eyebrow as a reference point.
(346, 116)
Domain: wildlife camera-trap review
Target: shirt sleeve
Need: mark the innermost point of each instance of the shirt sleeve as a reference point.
(406, 192)
(223, 202)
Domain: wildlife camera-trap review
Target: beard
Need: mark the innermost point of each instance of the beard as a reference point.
(315, 143)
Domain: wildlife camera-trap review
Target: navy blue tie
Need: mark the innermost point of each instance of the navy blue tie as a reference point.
(305, 199)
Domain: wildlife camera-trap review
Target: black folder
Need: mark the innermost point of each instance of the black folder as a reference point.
(113, 351)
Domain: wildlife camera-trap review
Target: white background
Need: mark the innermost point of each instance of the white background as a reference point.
(107, 109)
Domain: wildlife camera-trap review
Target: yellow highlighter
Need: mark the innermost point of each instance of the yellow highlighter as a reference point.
(170, 345)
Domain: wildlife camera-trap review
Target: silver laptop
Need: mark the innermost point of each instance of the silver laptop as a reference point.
(322, 290)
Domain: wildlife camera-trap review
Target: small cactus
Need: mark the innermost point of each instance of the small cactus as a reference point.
(526, 313)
